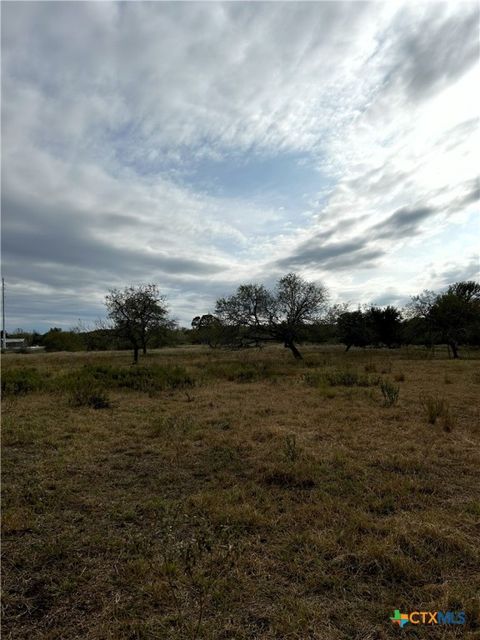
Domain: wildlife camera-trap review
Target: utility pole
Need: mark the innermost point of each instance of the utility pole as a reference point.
(4, 335)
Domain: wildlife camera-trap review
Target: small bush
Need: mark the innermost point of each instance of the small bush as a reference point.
(390, 393)
(370, 368)
(21, 381)
(89, 395)
(399, 377)
(434, 408)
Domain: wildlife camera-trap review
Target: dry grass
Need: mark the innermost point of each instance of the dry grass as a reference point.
(264, 502)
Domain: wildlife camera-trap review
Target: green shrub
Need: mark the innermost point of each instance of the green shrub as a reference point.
(146, 379)
(21, 381)
(338, 378)
(390, 393)
(58, 340)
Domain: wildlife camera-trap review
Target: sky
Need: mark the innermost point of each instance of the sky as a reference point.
(203, 145)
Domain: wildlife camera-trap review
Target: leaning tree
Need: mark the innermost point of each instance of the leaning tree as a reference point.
(136, 313)
(259, 314)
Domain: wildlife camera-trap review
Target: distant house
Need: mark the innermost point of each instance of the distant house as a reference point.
(15, 343)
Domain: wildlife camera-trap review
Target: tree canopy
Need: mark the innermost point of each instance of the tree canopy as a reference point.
(136, 312)
(259, 314)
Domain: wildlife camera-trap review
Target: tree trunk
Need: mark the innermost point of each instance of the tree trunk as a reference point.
(144, 349)
(347, 348)
(454, 347)
(135, 354)
(296, 353)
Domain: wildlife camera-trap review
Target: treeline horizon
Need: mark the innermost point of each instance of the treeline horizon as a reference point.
(253, 316)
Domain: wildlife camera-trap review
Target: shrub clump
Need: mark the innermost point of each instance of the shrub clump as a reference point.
(433, 408)
(147, 379)
(21, 381)
(84, 390)
(338, 378)
(390, 393)
(88, 395)
(239, 372)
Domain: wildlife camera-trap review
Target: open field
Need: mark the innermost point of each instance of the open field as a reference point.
(239, 495)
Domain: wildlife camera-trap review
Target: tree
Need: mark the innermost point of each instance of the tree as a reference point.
(456, 314)
(136, 312)
(353, 329)
(385, 326)
(57, 340)
(451, 317)
(258, 314)
(208, 330)
(419, 318)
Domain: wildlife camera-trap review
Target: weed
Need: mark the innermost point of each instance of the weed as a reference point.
(290, 478)
(350, 379)
(222, 425)
(194, 565)
(434, 407)
(448, 419)
(390, 393)
(172, 426)
(290, 448)
(342, 378)
(337, 378)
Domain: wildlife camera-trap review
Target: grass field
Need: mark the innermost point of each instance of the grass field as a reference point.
(239, 495)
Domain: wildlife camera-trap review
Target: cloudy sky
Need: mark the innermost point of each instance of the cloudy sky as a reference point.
(201, 145)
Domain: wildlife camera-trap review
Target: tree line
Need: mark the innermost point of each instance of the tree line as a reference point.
(294, 312)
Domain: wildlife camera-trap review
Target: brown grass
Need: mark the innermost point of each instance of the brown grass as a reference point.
(262, 503)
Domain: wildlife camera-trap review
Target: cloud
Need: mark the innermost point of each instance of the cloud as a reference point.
(430, 52)
(207, 144)
(403, 222)
(390, 297)
(453, 272)
(334, 255)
